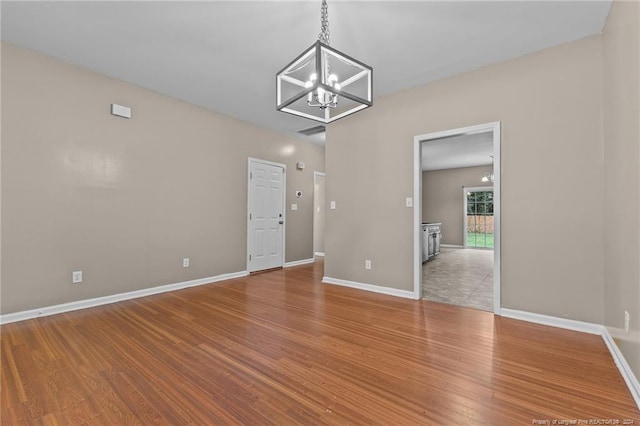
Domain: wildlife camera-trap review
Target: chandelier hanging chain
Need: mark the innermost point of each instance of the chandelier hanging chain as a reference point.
(324, 24)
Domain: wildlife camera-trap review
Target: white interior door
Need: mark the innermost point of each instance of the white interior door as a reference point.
(266, 215)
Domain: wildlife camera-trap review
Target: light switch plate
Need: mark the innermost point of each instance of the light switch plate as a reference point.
(76, 277)
(294, 206)
(333, 205)
(409, 202)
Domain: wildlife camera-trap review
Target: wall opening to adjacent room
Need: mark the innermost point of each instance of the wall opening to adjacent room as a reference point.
(441, 155)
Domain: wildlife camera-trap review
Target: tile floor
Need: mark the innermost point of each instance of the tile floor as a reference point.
(462, 277)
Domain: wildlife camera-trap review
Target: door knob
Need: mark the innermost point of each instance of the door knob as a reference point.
(281, 222)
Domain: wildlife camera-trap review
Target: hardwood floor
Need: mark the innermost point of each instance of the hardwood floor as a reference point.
(283, 348)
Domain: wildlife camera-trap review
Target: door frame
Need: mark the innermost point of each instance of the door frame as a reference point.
(417, 196)
(466, 189)
(315, 176)
(251, 160)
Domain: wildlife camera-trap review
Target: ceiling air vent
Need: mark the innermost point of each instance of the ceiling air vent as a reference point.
(312, 130)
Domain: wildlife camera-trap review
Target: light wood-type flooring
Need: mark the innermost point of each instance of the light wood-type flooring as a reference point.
(282, 348)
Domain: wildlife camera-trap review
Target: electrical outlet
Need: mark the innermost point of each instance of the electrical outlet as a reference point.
(626, 321)
(76, 277)
(185, 262)
(409, 202)
(367, 264)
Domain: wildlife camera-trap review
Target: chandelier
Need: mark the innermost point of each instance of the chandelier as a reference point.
(322, 83)
(488, 177)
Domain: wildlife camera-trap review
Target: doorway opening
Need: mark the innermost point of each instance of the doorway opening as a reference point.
(319, 214)
(431, 208)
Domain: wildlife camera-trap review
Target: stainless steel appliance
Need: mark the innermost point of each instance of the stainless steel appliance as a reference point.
(431, 235)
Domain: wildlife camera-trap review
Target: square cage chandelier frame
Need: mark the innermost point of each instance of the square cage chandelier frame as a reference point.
(324, 71)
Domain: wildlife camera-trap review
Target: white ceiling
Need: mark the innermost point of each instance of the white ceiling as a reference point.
(224, 55)
(457, 151)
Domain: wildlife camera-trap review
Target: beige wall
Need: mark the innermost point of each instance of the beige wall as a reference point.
(442, 199)
(550, 106)
(125, 200)
(622, 179)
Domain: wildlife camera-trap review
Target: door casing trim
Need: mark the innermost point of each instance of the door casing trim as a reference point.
(494, 127)
(315, 181)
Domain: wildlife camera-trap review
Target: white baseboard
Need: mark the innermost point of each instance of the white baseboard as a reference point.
(319, 253)
(586, 327)
(451, 246)
(104, 300)
(299, 262)
(628, 376)
(370, 287)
